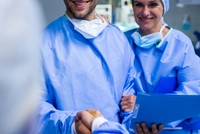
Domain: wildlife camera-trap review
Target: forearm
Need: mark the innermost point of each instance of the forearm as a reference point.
(110, 127)
(54, 121)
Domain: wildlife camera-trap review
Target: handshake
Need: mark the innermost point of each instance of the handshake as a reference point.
(84, 120)
(87, 121)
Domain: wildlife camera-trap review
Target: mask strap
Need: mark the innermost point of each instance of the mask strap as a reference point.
(99, 17)
(162, 28)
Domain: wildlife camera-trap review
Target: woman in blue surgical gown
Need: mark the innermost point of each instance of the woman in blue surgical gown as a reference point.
(163, 55)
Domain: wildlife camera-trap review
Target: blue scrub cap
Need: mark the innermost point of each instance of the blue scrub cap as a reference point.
(166, 5)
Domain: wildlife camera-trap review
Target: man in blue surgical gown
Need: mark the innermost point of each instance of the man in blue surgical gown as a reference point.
(86, 65)
(165, 57)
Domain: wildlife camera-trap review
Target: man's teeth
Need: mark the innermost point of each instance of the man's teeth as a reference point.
(80, 3)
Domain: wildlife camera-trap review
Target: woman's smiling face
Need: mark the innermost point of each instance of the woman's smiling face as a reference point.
(148, 15)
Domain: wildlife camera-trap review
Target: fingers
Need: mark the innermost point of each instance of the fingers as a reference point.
(128, 102)
(154, 129)
(139, 129)
(81, 128)
(143, 129)
(104, 18)
(85, 117)
(78, 116)
(160, 128)
(95, 113)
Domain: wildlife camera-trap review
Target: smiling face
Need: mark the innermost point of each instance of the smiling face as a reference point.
(148, 15)
(81, 9)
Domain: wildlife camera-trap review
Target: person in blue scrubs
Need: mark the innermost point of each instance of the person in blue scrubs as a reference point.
(86, 64)
(164, 57)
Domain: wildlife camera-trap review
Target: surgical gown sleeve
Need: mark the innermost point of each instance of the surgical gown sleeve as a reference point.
(51, 120)
(188, 75)
(129, 89)
(111, 128)
(54, 121)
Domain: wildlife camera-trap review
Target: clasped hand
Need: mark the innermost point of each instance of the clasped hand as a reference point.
(84, 119)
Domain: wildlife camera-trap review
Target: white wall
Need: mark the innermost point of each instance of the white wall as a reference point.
(175, 15)
(52, 9)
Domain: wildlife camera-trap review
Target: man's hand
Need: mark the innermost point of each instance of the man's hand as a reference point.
(95, 113)
(86, 118)
(143, 129)
(81, 128)
(103, 18)
(128, 102)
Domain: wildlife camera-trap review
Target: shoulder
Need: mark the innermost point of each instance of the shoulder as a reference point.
(55, 26)
(113, 28)
(116, 37)
(178, 41)
(180, 37)
(115, 32)
(56, 29)
(129, 32)
(51, 32)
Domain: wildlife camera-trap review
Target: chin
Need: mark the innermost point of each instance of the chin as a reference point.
(80, 15)
(145, 28)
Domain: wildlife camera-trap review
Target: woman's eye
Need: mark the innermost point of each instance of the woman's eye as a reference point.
(153, 5)
(138, 5)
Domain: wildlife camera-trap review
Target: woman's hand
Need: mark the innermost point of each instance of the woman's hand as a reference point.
(128, 102)
(143, 129)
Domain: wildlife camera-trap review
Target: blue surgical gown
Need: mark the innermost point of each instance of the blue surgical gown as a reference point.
(111, 128)
(82, 73)
(173, 59)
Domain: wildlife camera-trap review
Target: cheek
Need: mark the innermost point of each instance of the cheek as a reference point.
(160, 15)
(136, 12)
(160, 11)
